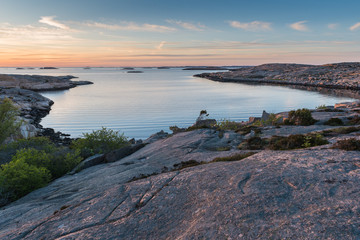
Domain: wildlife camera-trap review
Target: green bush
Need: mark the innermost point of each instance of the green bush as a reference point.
(273, 120)
(253, 143)
(235, 157)
(300, 117)
(20, 178)
(296, 141)
(355, 120)
(225, 124)
(350, 144)
(8, 114)
(334, 122)
(100, 141)
(63, 161)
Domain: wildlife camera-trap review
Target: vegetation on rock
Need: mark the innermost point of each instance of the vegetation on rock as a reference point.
(300, 117)
(334, 122)
(34, 163)
(8, 115)
(100, 141)
(296, 141)
(350, 144)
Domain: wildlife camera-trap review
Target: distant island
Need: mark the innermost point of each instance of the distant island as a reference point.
(337, 75)
(205, 68)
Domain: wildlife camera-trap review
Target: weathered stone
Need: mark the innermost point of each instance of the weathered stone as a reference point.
(122, 152)
(265, 116)
(253, 119)
(156, 136)
(89, 162)
(206, 123)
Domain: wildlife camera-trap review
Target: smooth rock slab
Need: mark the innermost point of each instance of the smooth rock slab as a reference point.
(303, 194)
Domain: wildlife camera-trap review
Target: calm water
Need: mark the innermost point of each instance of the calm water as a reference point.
(140, 104)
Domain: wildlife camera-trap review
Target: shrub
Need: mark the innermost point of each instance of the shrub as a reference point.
(334, 122)
(100, 141)
(20, 178)
(355, 120)
(300, 117)
(225, 124)
(350, 144)
(235, 157)
(253, 143)
(272, 120)
(341, 130)
(8, 114)
(40, 143)
(321, 107)
(63, 161)
(33, 157)
(296, 141)
(247, 129)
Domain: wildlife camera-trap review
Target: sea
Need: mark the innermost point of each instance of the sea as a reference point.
(141, 104)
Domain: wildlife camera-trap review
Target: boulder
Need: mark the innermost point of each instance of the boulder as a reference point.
(89, 162)
(122, 152)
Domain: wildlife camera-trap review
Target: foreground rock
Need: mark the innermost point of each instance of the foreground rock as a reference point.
(39, 82)
(338, 75)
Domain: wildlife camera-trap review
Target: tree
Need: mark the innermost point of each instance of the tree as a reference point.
(8, 124)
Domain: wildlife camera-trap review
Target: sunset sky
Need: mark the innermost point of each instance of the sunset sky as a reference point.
(176, 33)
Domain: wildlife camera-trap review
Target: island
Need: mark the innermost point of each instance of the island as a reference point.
(337, 75)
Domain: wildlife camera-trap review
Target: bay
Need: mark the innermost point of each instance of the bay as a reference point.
(140, 104)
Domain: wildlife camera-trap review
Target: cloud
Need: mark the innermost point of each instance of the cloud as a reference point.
(332, 26)
(159, 47)
(131, 26)
(300, 26)
(49, 20)
(251, 26)
(355, 26)
(25, 35)
(187, 25)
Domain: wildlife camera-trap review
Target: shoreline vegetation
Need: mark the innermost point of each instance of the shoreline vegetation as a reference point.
(303, 165)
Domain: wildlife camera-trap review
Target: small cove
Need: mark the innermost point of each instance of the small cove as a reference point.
(140, 104)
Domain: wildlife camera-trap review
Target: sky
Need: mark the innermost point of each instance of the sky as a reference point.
(114, 33)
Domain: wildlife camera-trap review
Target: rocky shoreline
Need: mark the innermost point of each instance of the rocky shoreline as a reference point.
(22, 90)
(335, 76)
(39, 82)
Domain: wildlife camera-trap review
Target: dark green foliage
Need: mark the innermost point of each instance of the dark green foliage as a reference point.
(350, 144)
(334, 122)
(100, 141)
(253, 143)
(247, 129)
(339, 131)
(34, 162)
(186, 164)
(38, 143)
(355, 120)
(296, 141)
(8, 114)
(235, 157)
(175, 129)
(20, 178)
(300, 117)
(229, 125)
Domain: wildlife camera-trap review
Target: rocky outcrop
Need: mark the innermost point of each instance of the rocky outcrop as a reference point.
(39, 82)
(339, 75)
(300, 194)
